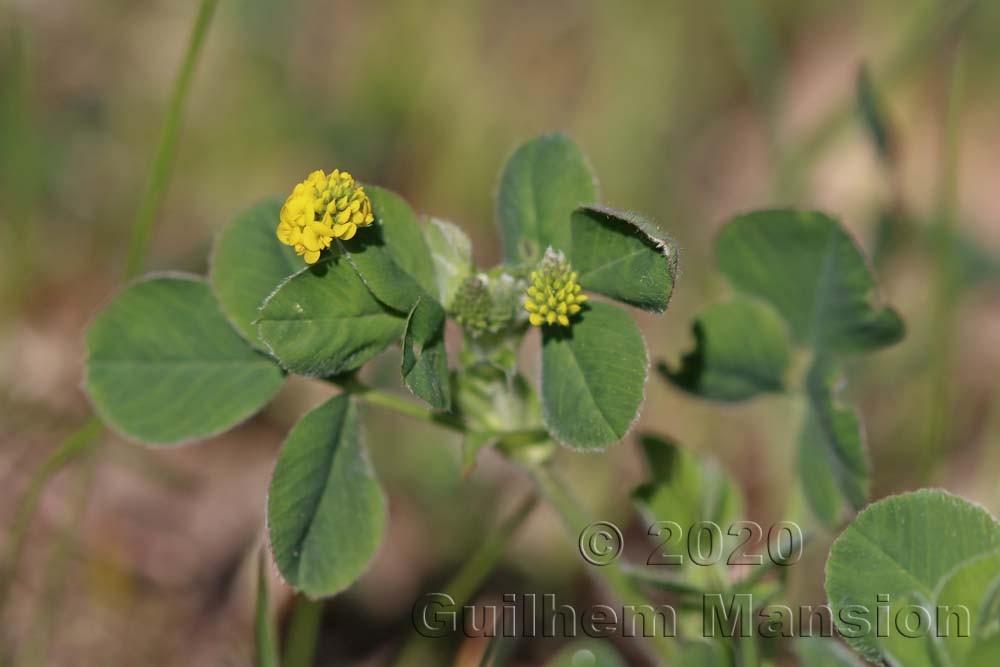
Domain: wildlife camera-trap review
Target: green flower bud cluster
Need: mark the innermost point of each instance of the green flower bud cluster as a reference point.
(489, 303)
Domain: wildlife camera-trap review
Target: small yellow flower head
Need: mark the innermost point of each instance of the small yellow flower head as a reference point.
(554, 294)
(322, 208)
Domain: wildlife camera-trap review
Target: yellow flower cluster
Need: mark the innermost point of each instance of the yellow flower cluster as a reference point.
(554, 294)
(322, 208)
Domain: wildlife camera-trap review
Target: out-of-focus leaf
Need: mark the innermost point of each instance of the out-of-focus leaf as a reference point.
(543, 182)
(742, 350)
(985, 654)
(805, 264)
(685, 488)
(824, 652)
(325, 509)
(703, 654)
(248, 263)
(425, 360)
(968, 587)
(323, 321)
(873, 114)
(902, 546)
(833, 460)
(472, 444)
(491, 401)
(697, 496)
(623, 256)
(587, 653)
(904, 650)
(593, 377)
(165, 367)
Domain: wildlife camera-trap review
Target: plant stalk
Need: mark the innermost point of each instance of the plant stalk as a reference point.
(927, 30)
(67, 451)
(383, 399)
(265, 637)
(474, 571)
(559, 495)
(303, 632)
(941, 390)
(166, 148)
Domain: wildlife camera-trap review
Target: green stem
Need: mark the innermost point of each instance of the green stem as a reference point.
(642, 576)
(20, 162)
(303, 631)
(264, 635)
(745, 584)
(402, 406)
(575, 519)
(383, 399)
(70, 448)
(58, 566)
(925, 33)
(758, 54)
(159, 174)
(474, 571)
(942, 332)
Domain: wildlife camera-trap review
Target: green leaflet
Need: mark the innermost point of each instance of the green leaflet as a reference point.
(687, 491)
(742, 349)
(810, 270)
(593, 377)
(970, 585)
(904, 546)
(247, 265)
(684, 488)
(451, 253)
(833, 460)
(623, 256)
(391, 255)
(323, 321)
(543, 182)
(165, 367)
(425, 360)
(325, 508)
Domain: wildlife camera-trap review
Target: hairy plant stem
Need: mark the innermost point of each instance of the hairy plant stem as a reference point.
(575, 519)
(474, 571)
(265, 637)
(504, 439)
(303, 632)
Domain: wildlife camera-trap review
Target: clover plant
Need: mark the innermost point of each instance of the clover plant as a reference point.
(337, 273)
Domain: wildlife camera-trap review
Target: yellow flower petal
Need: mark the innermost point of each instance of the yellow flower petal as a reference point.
(320, 208)
(554, 294)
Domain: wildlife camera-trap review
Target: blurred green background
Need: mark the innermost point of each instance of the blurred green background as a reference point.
(690, 112)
